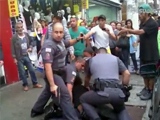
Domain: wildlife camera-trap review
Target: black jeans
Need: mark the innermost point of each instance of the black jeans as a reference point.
(133, 57)
(125, 56)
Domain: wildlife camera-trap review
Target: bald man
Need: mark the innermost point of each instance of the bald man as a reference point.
(53, 54)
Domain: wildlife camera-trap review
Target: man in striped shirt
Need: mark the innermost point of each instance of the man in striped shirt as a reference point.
(58, 18)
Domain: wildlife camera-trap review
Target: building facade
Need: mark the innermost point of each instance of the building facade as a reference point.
(110, 8)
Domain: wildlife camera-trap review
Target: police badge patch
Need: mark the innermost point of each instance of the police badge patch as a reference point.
(47, 56)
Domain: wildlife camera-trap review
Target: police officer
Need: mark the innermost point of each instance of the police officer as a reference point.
(105, 68)
(53, 54)
(71, 73)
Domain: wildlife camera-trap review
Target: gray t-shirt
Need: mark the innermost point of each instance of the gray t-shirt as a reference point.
(105, 66)
(23, 43)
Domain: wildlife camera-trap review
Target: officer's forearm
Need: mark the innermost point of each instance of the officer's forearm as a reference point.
(49, 73)
(70, 87)
(126, 77)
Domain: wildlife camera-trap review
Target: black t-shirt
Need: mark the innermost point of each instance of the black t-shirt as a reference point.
(27, 16)
(148, 41)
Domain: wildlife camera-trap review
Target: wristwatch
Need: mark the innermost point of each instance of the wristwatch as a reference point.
(77, 39)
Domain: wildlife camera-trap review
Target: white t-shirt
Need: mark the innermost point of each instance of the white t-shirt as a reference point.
(101, 37)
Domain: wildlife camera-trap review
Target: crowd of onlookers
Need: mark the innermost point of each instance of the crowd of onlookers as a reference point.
(122, 52)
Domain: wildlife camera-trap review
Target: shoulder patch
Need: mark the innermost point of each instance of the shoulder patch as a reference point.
(48, 49)
(74, 73)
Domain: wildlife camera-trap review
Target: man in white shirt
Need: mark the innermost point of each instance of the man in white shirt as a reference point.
(101, 33)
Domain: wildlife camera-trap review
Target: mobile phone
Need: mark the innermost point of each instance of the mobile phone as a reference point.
(81, 34)
(104, 29)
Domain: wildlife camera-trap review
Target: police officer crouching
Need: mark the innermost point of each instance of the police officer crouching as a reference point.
(54, 53)
(105, 68)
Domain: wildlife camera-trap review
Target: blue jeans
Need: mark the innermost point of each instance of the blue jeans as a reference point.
(27, 62)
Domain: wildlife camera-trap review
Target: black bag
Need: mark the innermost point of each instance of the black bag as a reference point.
(123, 42)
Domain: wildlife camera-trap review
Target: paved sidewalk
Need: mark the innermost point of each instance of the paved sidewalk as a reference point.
(15, 104)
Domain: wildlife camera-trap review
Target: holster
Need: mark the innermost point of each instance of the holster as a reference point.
(100, 84)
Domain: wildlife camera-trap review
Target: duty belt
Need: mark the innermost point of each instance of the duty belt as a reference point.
(60, 72)
(100, 84)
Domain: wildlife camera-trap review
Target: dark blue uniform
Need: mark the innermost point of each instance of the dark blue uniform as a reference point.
(105, 68)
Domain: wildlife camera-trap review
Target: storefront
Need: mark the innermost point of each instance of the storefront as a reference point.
(9, 74)
(109, 8)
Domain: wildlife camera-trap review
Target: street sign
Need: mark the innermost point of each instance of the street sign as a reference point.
(85, 4)
(13, 8)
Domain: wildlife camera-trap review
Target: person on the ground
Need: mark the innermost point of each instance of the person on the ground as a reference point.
(148, 45)
(102, 34)
(76, 31)
(58, 18)
(88, 52)
(21, 45)
(1, 55)
(53, 54)
(107, 87)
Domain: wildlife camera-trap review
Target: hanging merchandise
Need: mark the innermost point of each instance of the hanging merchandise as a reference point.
(85, 4)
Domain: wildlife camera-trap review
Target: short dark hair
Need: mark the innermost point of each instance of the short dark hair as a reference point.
(57, 16)
(102, 17)
(113, 22)
(80, 59)
(102, 50)
(89, 50)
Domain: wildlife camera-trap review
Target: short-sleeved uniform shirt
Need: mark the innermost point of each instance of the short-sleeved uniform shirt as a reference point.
(148, 41)
(55, 53)
(104, 66)
(71, 73)
(79, 46)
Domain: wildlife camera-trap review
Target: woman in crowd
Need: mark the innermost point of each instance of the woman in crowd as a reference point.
(44, 24)
(133, 45)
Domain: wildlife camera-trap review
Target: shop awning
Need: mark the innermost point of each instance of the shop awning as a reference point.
(113, 3)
